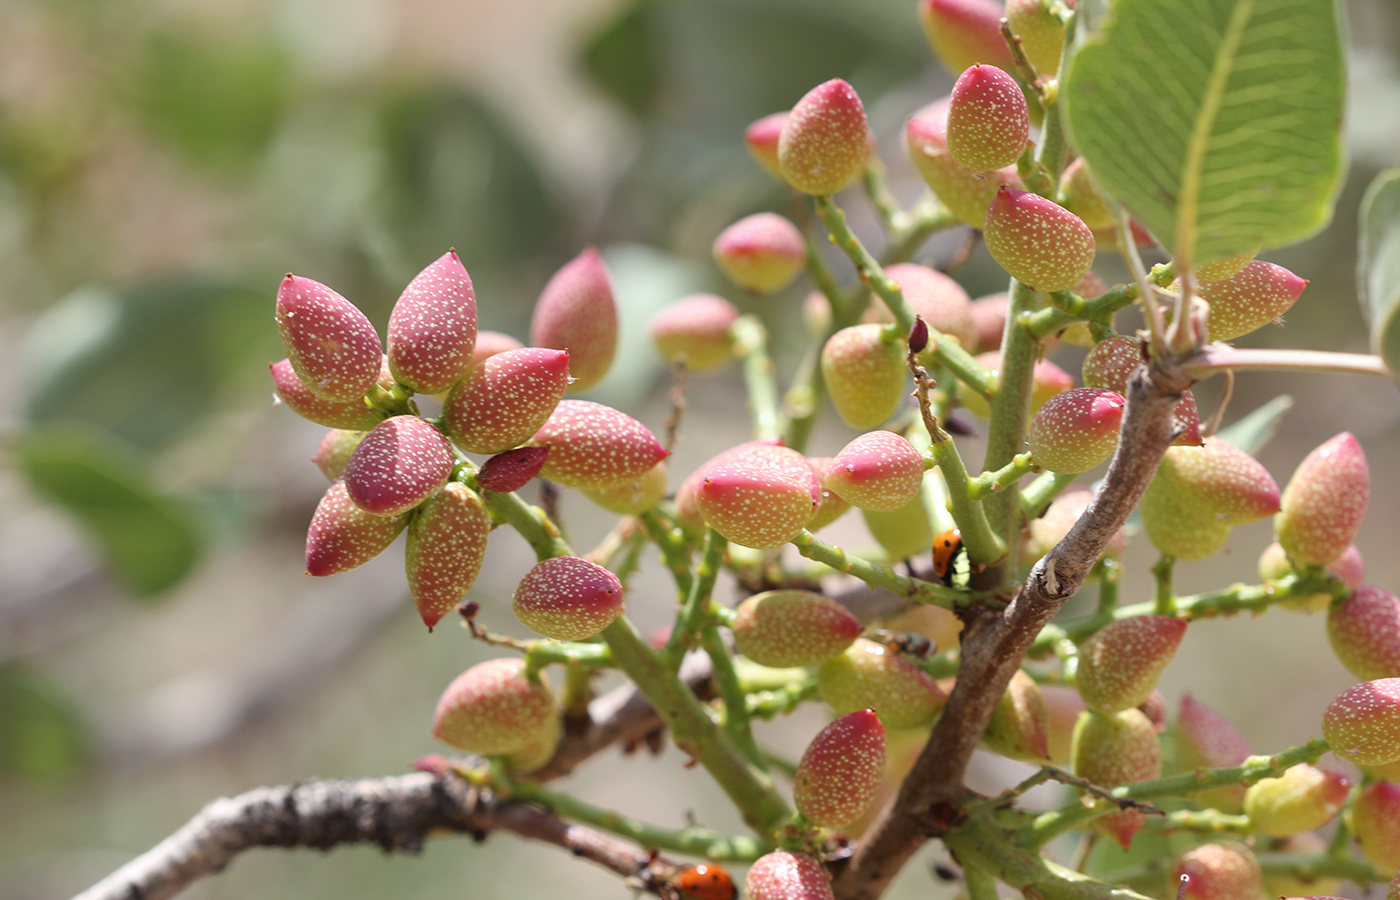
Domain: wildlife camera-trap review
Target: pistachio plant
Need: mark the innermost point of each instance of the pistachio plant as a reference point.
(1059, 144)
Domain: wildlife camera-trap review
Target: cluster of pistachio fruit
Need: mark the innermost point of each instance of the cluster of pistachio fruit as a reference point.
(392, 469)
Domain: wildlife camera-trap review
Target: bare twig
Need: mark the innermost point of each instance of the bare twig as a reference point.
(395, 813)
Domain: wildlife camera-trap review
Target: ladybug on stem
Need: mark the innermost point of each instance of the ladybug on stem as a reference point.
(705, 881)
(946, 548)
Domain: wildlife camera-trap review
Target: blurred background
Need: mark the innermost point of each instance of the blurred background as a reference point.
(164, 162)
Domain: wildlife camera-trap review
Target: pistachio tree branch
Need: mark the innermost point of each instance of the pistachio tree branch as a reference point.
(994, 643)
(395, 813)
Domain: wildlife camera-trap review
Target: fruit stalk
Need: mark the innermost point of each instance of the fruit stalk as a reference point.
(1011, 407)
(695, 733)
(751, 346)
(696, 605)
(817, 550)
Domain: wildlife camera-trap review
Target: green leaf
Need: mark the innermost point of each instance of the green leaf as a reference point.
(1255, 430)
(1378, 266)
(149, 540)
(41, 734)
(1217, 123)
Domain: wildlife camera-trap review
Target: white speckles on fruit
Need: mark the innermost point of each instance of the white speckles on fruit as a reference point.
(840, 770)
(1324, 504)
(825, 141)
(878, 470)
(330, 343)
(343, 536)
(568, 599)
(1363, 723)
(495, 708)
(1037, 241)
(397, 466)
(754, 503)
(1120, 665)
(988, 119)
(1076, 430)
(595, 446)
(432, 328)
(446, 546)
(865, 374)
(792, 628)
(506, 399)
(576, 312)
(763, 252)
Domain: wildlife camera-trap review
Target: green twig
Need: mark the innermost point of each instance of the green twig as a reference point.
(994, 482)
(668, 537)
(751, 346)
(916, 226)
(780, 702)
(1036, 496)
(1165, 604)
(697, 601)
(1011, 407)
(691, 840)
(874, 575)
(736, 712)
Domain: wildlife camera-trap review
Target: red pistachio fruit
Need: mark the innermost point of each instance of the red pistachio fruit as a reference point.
(446, 545)
(1020, 725)
(1120, 665)
(825, 141)
(1221, 871)
(1207, 740)
(568, 599)
(966, 192)
(762, 253)
(1364, 630)
(767, 452)
(1199, 493)
(1325, 502)
(1249, 299)
(593, 446)
(351, 414)
(1076, 430)
(1112, 750)
(576, 312)
(865, 374)
(335, 450)
(761, 137)
(343, 536)
(432, 329)
(397, 466)
(936, 298)
(754, 504)
(1112, 362)
(331, 344)
(840, 770)
(1375, 821)
(512, 470)
(1081, 196)
(1062, 708)
(988, 119)
(506, 399)
(1037, 241)
(696, 329)
(965, 32)
(872, 676)
(878, 470)
(989, 318)
(489, 343)
(1363, 723)
(787, 628)
(782, 875)
(1303, 798)
(495, 708)
(632, 497)
(1225, 267)
(1041, 33)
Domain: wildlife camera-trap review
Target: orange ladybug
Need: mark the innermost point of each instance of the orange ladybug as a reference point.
(946, 548)
(706, 881)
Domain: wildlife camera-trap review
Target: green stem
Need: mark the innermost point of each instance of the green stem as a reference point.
(1165, 604)
(874, 575)
(1234, 599)
(539, 654)
(1050, 825)
(534, 526)
(1314, 867)
(695, 732)
(751, 346)
(668, 537)
(1110, 573)
(983, 544)
(692, 840)
(944, 350)
(1011, 406)
(696, 607)
(916, 226)
(736, 712)
(780, 702)
(1038, 494)
(980, 885)
(879, 193)
(994, 482)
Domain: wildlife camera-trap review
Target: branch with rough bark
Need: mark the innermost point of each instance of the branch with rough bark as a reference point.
(395, 813)
(994, 644)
